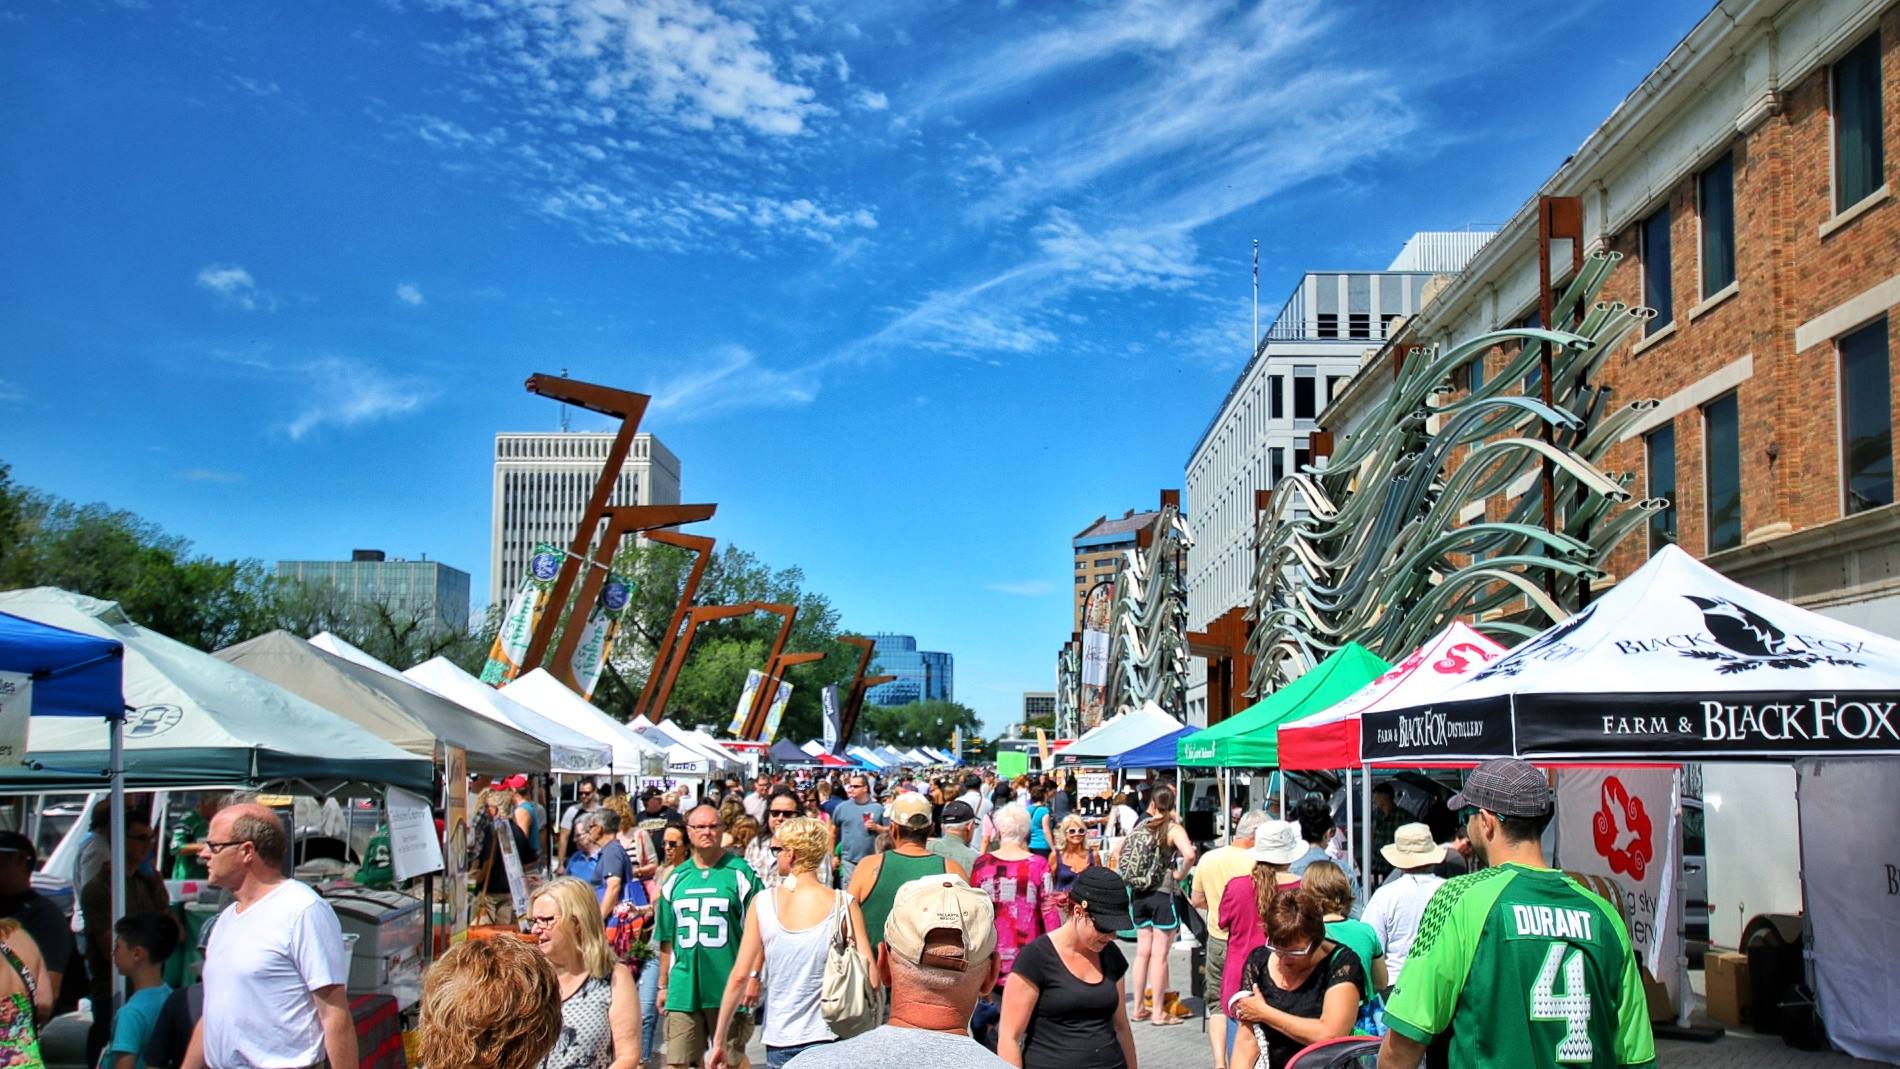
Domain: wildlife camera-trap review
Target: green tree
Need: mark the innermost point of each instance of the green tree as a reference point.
(929, 723)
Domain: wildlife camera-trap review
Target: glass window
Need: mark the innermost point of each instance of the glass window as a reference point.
(1328, 325)
(1715, 203)
(1305, 401)
(1859, 147)
(1866, 418)
(1656, 290)
(1276, 465)
(1276, 397)
(1659, 450)
(1722, 471)
(1359, 324)
(1474, 373)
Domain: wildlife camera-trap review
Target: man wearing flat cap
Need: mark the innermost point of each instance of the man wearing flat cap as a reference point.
(1517, 964)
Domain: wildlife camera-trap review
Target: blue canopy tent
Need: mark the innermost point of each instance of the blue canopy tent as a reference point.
(1160, 753)
(65, 673)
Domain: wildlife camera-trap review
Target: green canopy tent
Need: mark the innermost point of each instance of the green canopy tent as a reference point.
(1251, 738)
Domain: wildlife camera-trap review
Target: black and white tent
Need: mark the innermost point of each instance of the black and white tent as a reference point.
(1678, 662)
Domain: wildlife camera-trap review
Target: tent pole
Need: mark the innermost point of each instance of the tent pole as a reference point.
(1351, 825)
(116, 742)
(1365, 827)
(1280, 774)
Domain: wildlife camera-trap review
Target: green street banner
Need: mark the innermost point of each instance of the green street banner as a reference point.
(600, 631)
(524, 611)
(776, 713)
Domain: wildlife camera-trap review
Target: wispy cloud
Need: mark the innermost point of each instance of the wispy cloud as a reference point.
(731, 378)
(257, 87)
(342, 393)
(1023, 588)
(408, 293)
(209, 475)
(235, 286)
(10, 393)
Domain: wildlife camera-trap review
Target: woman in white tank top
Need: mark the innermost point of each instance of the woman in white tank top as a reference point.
(788, 932)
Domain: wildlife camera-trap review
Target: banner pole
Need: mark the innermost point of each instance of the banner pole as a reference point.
(1365, 827)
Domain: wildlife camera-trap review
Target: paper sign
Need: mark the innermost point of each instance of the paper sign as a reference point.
(1093, 784)
(16, 704)
(517, 881)
(413, 848)
(1011, 763)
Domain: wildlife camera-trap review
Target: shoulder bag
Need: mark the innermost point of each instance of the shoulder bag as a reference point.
(848, 997)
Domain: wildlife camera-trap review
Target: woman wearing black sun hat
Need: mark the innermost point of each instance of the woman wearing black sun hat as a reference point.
(1064, 1006)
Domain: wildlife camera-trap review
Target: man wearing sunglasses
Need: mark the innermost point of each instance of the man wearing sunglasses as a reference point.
(1517, 964)
(275, 967)
(585, 802)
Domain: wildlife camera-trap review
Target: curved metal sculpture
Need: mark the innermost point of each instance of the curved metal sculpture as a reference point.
(1148, 653)
(1373, 547)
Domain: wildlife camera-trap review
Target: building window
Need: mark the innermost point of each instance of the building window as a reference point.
(1359, 324)
(1474, 373)
(1866, 418)
(1276, 466)
(1656, 291)
(1305, 401)
(1859, 147)
(1328, 325)
(1276, 397)
(1722, 471)
(1659, 451)
(1715, 207)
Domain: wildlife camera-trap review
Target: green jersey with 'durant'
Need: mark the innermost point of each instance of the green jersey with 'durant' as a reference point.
(1523, 967)
(702, 916)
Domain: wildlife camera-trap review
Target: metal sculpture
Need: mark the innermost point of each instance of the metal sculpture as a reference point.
(1373, 547)
(656, 710)
(861, 683)
(701, 547)
(622, 520)
(1148, 651)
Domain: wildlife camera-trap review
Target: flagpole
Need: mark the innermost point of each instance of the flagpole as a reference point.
(1256, 298)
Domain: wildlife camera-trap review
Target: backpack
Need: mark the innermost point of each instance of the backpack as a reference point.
(1142, 866)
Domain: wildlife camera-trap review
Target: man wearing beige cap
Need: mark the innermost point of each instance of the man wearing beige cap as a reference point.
(1399, 902)
(938, 958)
(875, 881)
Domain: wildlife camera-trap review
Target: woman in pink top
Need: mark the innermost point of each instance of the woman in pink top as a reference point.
(1020, 884)
(1275, 846)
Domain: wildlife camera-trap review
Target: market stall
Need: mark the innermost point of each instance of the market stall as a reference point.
(1155, 753)
(785, 754)
(1136, 727)
(569, 751)
(632, 754)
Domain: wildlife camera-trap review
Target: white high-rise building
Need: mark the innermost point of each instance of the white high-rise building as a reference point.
(542, 483)
(1263, 429)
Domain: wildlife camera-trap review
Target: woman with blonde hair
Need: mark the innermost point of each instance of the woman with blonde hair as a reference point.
(1072, 854)
(600, 1007)
(788, 932)
(1019, 883)
(489, 1004)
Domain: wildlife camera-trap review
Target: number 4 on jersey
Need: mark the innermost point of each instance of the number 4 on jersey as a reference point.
(1572, 1007)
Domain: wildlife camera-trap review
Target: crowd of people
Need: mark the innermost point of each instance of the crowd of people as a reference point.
(847, 921)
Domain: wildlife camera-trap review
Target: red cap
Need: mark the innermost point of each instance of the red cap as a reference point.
(515, 782)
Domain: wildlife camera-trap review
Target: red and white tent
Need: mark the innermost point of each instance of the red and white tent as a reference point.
(1329, 739)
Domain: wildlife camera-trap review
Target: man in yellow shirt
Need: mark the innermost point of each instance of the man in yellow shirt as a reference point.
(1211, 874)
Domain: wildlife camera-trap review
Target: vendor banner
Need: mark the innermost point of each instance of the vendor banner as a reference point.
(1850, 866)
(599, 631)
(1617, 835)
(413, 848)
(754, 679)
(776, 713)
(16, 705)
(524, 612)
(833, 718)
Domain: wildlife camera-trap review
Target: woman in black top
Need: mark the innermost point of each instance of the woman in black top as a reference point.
(1063, 1004)
(1298, 989)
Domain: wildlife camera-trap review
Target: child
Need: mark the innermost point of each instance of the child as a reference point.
(141, 943)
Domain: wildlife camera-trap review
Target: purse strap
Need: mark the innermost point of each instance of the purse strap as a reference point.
(841, 932)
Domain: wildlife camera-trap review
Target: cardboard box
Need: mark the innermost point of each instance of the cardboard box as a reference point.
(1729, 995)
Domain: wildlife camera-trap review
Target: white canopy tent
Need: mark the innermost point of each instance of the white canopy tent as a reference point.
(814, 747)
(569, 751)
(1136, 727)
(866, 756)
(707, 744)
(684, 757)
(632, 754)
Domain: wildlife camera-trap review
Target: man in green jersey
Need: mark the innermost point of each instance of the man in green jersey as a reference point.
(1517, 965)
(701, 916)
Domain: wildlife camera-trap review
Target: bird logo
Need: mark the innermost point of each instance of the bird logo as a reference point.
(1544, 646)
(1750, 640)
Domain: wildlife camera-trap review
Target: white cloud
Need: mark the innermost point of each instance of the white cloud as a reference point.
(257, 87)
(871, 100)
(1022, 588)
(407, 293)
(10, 393)
(1121, 258)
(730, 377)
(235, 285)
(209, 475)
(343, 393)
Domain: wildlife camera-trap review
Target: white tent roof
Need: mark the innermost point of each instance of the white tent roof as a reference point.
(705, 743)
(329, 643)
(684, 757)
(866, 755)
(541, 692)
(814, 747)
(568, 750)
(1136, 727)
(1676, 661)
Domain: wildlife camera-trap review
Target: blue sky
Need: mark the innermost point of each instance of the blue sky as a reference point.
(919, 288)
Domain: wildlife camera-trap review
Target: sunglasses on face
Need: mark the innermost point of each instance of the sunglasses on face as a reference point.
(782, 812)
(675, 844)
(214, 848)
(1466, 814)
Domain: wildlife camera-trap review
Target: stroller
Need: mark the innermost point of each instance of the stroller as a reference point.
(1346, 1052)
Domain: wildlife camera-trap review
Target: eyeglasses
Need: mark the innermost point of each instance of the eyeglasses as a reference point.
(783, 812)
(702, 827)
(1075, 832)
(1305, 952)
(213, 847)
(543, 922)
(675, 844)
(1465, 814)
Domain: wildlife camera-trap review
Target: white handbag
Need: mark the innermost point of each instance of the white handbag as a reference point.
(849, 997)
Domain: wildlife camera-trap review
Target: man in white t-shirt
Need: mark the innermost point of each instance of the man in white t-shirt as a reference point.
(275, 966)
(1399, 903)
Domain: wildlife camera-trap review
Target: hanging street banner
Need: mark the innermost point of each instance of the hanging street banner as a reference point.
(524, 611)
(1676, 662)
(753, 680)
(599, 632)
(16, 705)
(956, 743)
(833, 718)
(1097, 610)
(780, 699)
(1617, 834)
